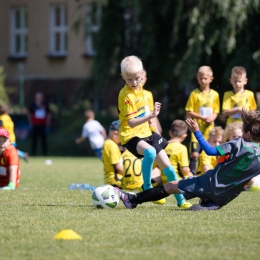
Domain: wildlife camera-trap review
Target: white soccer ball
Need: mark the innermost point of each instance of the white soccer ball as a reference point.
(105, 197)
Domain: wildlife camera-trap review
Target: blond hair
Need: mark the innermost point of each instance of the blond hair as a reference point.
(205, 70)
(131, 64)
(231, 128)
(216, 131)
(238, 71)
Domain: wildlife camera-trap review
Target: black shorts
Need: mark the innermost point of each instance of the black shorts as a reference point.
(155, 140)
(195, 147)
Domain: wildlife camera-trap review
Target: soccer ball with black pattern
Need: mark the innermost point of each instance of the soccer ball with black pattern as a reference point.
(105, 197)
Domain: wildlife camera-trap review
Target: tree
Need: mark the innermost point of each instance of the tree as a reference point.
(173, 38)
(4, 99)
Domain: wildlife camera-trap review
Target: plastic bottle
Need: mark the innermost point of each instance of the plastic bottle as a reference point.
(81, 186)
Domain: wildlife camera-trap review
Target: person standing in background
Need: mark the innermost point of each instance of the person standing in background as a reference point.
(39, 118)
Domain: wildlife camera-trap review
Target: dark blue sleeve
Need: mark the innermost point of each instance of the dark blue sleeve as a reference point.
(209, 150)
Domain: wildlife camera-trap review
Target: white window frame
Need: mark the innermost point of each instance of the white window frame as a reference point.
(91, 27)
(22, 32)
(62, 30)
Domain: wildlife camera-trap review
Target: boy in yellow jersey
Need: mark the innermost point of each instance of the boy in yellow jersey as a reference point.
(8, 124)
(176, 151)
(207, 162)
(203, 105)
(135, 133)
(238, 98)
(111, 157)
(155, 125)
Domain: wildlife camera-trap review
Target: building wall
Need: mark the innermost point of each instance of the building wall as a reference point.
(38, 64)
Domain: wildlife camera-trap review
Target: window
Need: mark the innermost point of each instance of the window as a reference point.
(58, 31)
(93, 22)
(18, 32)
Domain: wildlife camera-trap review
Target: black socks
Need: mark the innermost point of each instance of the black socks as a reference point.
(154, 194)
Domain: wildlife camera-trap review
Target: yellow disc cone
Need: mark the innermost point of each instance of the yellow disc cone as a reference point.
(67, 234)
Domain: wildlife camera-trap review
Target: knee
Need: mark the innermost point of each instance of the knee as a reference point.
(150, 153)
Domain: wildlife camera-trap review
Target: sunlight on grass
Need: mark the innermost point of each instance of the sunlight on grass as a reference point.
(42, 206)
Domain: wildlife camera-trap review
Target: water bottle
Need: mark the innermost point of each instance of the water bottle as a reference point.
(81, 186)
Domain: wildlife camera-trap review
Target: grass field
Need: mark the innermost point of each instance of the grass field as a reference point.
(42, 206)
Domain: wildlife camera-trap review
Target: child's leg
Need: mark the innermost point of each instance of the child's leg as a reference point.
(163, 162)
(149, 153)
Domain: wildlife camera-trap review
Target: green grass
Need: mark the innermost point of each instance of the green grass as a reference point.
(42, 206)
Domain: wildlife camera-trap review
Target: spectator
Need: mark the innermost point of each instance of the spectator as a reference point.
(39, 117)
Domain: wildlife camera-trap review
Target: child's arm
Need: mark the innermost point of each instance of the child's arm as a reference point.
(195, 115)
(232, 111)
(79, 140)
(133, 122)
(193, 126)
(186, 172)
(211, 119)
(12, 179)
(118, 168)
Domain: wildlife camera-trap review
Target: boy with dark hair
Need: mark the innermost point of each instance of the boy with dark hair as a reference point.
(226, 181)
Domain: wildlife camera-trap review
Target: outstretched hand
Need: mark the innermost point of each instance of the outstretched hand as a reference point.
(157, 108)
(192, 125)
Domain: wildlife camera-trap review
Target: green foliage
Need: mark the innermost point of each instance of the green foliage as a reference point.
(4, 99)
(174, 38)
(42, 206)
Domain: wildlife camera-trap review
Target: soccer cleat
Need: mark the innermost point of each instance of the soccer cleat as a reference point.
(125, 198)
(210, 205)
(185, 205)
(158, 202)
(197, 207)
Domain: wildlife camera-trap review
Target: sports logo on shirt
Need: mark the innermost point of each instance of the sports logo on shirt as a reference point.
(160, 141)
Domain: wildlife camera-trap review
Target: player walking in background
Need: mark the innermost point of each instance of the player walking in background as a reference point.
(94, 131)
(238, 98)
(9, 162)
(8, 124)
(219, 186)
(39, 118)
(207, 162)
(135, 133)
(203, 105)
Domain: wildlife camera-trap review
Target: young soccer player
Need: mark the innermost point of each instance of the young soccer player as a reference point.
(238, 98)
(8, 124)
(9, 162)
(203, 105)
(176, 151)
(207, 162)
(111, 157)
(94, 131)
(135, 133)
(226, 181)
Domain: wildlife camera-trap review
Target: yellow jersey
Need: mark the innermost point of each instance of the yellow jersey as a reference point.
(178, 155)
(131, 104)
(132, 177)
(231, 99)
(8, 124)
(205, 159)
(205, 104)
(111, 155)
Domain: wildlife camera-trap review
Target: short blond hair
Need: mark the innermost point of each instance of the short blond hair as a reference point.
(231, 128)
(238, 71)
(216, 131)
(131, 64)
(205, 70)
